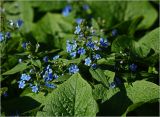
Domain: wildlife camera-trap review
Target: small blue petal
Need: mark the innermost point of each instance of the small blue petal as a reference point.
(50, 85)
(88, 61)
(73, 69)
(56, 57)
(81, 51)
(66, 10)
(21, 84)
(25, 77)
(8, 35)
(96, 57)
(34, 89)
(79, 20)
(133, 67)
(73, 54)
(112, 85)
(114, 32)
(78, 29)
(94, 66)
(45, 59)
(90, 44)
(104, 42)
(19, 23)
(24, 45)
(1, 37)
(85, 7)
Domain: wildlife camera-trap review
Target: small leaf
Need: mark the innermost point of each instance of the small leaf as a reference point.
(99, 75)
(37, 63)
(17, 68)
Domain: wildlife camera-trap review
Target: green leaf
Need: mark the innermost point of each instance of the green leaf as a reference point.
(148, 42)
(121, 43)
(17, 68)
(100, 92)
(37, 63)
(53, 30)
(49, 5)
(20, 105)
(130, 97)
(110, 75)
(142, 92)
(26, 14)
(72, 98)
(108, 60)
(99, 75)
(116, 12)
(51, 25)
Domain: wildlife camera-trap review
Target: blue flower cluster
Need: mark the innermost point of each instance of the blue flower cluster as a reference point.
(85, 45)
(23, 79)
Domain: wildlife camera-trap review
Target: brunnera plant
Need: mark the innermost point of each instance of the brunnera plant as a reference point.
(91, 71)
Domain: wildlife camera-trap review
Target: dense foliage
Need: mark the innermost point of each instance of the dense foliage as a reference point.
(79, 58)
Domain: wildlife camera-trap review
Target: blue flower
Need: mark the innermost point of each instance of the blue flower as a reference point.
(94, 66)
(71, 46)
(8, 35)
(97, 56)
(48, 76)
(34, 89)
(85, 7)
(90, 44)
(133, 67)
(88, 61)
(112, 85)
(56, 57)
(73, 54)
(79, 20)
(25, 77)
(50, 85)
(24, 45)
(78, 29)
(55, 76)
(19, 23)
(74, 45)
(45, 59)
(73, 69)
(118, 81)
(114, 32)
(1, 37)
(104, 42)
(21, 84)
(81, 51)
(66, 10)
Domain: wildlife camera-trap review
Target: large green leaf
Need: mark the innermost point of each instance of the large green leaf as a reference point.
(51, 29)
(116, 12)
(17, 68)
(72, 98)
(128, 97)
